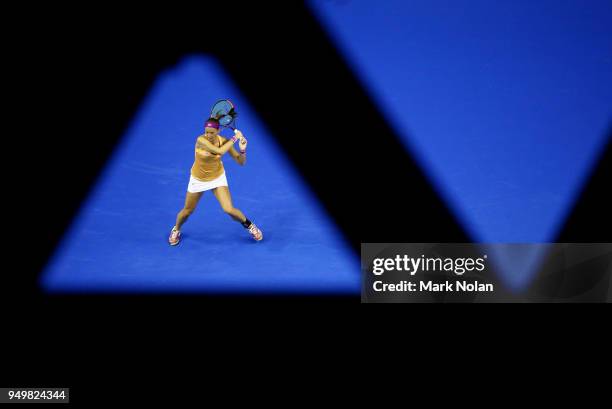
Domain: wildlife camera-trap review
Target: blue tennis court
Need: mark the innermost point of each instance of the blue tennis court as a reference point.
(504, 104)
(118, 241)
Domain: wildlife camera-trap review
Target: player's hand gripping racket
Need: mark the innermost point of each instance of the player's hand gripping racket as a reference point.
(225, 112)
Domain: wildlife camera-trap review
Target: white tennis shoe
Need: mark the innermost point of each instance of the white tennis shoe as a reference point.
(255, 232)
(175, 237)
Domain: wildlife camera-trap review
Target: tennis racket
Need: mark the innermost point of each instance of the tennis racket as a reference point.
(224, 111)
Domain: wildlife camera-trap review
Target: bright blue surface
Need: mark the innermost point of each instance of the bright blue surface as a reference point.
(118, 242)
(504, 103)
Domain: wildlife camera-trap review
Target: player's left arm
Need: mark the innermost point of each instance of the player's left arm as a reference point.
(239, 157)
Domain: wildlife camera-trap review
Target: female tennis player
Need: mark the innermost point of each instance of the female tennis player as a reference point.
(207, 173)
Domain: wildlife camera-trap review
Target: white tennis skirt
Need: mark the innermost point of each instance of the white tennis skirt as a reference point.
(197, 185)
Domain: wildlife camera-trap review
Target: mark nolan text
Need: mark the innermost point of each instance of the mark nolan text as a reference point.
(458, 286)
(448, 286)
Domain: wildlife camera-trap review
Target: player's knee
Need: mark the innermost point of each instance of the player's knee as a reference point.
(187, 211)
(228, 209)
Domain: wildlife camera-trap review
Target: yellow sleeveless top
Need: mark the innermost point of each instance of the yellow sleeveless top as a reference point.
(207, 165)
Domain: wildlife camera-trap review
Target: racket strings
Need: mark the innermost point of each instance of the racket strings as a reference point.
(224, 112)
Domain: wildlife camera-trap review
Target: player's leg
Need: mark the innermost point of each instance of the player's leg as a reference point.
(224, 197)
(191, 201)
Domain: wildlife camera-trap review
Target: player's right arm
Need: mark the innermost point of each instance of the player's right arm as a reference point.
(204, 145)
